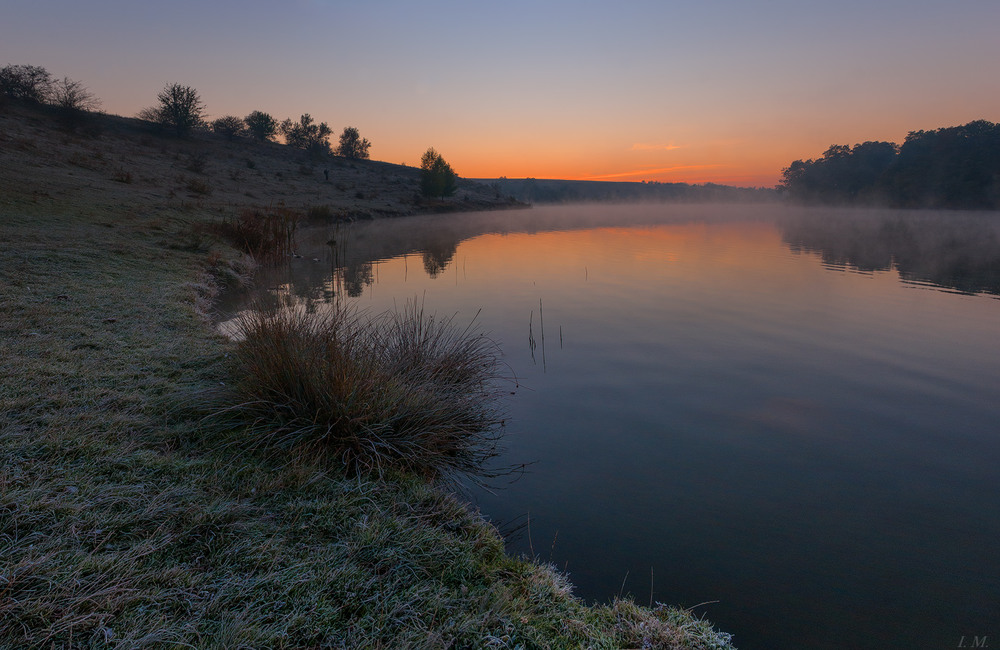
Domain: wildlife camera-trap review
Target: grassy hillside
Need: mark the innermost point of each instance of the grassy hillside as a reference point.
(128, 521)
(205, 171)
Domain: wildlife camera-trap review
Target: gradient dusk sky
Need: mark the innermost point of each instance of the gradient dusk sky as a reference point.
(720, 91)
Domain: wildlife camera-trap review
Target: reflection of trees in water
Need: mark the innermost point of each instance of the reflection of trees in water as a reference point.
(959, 250)
(950, 250)
(356, 277)
(307, 291)
(436, 237)
(438, 254)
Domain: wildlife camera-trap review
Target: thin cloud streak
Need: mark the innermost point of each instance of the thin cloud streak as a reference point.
(642, 146)
(649, 172)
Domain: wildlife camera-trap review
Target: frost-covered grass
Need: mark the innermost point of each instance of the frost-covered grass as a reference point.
(128, 519)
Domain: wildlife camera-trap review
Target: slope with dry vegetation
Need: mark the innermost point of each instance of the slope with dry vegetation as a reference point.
(129, 520)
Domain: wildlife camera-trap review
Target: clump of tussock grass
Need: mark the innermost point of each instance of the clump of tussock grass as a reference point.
(661, 627)
(266, 234)
(402, 391)
(199, 187)
(320, 213)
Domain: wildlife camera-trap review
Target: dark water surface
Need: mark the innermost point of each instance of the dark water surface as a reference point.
(791, 415)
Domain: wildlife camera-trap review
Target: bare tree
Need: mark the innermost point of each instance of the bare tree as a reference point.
(26, 82)
(71, 95)
(73, 101)
(180, 109)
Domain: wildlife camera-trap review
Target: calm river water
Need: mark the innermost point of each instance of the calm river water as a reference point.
(788, 419)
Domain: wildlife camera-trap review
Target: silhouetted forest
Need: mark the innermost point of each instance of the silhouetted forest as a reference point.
(956, 167)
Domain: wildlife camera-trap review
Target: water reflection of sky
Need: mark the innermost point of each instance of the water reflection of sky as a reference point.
(766, 409)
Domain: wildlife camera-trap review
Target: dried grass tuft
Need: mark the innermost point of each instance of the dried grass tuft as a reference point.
(400, 391)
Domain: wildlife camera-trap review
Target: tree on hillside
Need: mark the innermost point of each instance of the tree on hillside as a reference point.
(352, 145)
(73, 101)
(26, 82)
(261, 126)
(70, 95)
(180, 109)
(229, 126)
(437, 178)
(305, 134)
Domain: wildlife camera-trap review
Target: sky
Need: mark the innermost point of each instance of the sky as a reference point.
(674, 91)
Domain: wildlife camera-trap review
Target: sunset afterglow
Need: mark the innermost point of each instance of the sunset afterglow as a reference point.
(724, 92)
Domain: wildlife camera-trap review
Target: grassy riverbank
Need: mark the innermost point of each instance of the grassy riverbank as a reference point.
(125, 521)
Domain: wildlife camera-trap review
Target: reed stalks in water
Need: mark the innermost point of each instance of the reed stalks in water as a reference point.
(400, 391)
(266, 234)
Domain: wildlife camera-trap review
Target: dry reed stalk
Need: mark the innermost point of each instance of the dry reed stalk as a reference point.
(266, 234)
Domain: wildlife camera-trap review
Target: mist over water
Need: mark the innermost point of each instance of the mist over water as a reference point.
(790, 414)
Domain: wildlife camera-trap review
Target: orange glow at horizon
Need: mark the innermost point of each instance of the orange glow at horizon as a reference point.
(740, 163)
(758, 175)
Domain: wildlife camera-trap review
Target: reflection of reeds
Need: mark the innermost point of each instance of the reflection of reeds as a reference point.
(266, 234)
(532, 343)
(541, 324)
(402, 391)
(531, 335)
(338, 250)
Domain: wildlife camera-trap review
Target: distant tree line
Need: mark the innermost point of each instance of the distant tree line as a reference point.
(955, 167)
(541, 190)
(180, 111)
